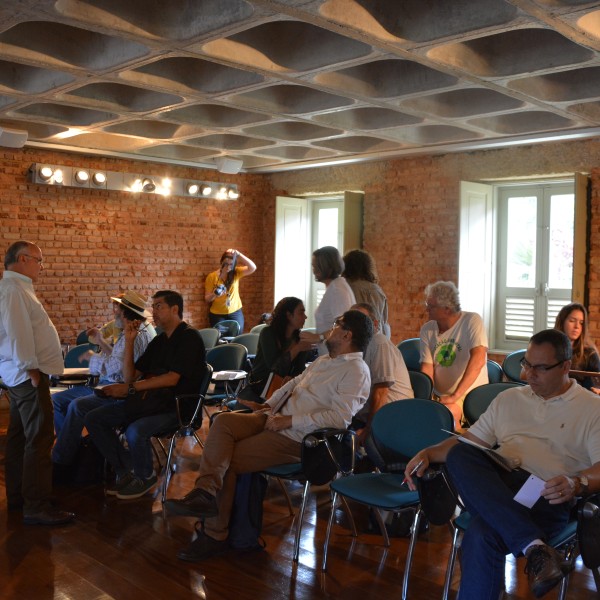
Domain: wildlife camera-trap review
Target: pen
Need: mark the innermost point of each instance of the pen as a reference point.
(415, 469)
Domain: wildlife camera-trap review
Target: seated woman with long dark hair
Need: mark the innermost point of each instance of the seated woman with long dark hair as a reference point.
(279, 348)
(572, 320)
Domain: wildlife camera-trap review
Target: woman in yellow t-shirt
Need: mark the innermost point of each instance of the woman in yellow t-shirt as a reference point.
(222, 288)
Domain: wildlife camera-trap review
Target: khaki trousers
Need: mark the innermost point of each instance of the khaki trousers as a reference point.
(238, 443)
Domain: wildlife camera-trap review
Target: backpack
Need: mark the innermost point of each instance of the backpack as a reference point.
(245, 524)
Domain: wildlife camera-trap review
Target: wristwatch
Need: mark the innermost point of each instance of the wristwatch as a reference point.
(583, 489)
(131, 391)
(321, 338)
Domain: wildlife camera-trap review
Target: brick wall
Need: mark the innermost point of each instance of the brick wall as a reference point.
(411, 212)
(97, 243)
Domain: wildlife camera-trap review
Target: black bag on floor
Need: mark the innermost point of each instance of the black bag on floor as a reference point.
(245, 525)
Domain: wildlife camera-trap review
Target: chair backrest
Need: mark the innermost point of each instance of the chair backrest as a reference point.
(82, 337)
(258, 328)
(495, 372)
(228, 328)
(411, 353)
(421, 384)
(210, 336)
(479, 398)
(250, 340)
(405, 427)
(72, 356)
(196, 423)
(512, 365)
(228, 357)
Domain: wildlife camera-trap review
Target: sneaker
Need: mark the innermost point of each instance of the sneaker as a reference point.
(198, 503)
(544, 569)
(203, 547)
(119, 483)
(136, 488)
(48, 517)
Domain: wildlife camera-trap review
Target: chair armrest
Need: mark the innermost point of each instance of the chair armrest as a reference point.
(197, 410)
(330, 439)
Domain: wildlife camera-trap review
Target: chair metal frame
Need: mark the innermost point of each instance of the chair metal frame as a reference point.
(295, 471)
(407, 427)
(186, 427)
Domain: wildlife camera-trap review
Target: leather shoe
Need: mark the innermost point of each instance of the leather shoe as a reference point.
(48, 517)
(203, 547)
(198, 503)
(544, 569)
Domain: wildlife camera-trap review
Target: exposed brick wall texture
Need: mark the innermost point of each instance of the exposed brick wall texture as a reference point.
(97, 243)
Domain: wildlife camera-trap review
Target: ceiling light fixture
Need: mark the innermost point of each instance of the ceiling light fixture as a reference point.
(81, 177)
(148, 185)
(192, 188)
(130, 182)
(99, 179)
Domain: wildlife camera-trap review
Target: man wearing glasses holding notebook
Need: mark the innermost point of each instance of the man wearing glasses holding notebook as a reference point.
(552, 428)
(326, 394)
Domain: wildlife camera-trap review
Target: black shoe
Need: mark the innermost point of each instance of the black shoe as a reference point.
(544, 569)
(203, 547)
(198, 503)
(48, 517)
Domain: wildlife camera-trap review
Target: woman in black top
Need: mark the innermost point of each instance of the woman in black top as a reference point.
(279, 348)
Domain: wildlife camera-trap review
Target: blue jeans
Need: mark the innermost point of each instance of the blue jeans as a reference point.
(237, 315)
(62, 401)
(499, 525)
(68, 438)
(102, 424)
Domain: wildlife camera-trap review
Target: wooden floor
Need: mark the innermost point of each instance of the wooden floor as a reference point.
(126, 550)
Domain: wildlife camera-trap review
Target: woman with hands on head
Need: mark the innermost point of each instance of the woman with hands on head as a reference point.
(222, 287)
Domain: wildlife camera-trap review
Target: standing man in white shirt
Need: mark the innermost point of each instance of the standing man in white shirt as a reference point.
(453, 347)
(29, 353)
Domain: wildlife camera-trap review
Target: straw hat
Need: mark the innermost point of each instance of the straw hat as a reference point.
(133, 301)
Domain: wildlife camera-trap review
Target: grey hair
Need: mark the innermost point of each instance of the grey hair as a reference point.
(14, 251)
(446, 294)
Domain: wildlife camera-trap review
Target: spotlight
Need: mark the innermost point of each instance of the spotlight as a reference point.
(148, 185)
(45, 173)
(192, 188)
(233, 194)
(58, 176)
(222, 193)
(206, 190)
(99, 179)
(82, 177)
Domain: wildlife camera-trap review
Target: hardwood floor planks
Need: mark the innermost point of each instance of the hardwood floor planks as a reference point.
(127, 550)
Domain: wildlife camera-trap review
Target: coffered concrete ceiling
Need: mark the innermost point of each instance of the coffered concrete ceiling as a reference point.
(293, 83)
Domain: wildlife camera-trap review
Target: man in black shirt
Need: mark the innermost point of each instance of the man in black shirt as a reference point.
(173, 364)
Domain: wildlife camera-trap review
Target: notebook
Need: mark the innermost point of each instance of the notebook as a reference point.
(509, 464)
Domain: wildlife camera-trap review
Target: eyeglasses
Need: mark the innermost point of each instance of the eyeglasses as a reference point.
(525, 364)
(339, 322)
(39, 260)
(431, 306)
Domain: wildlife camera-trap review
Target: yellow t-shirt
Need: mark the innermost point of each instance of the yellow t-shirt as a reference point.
(227, 303)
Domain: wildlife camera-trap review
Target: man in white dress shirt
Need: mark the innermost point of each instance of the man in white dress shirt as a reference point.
(327, 394)
(29, 353)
